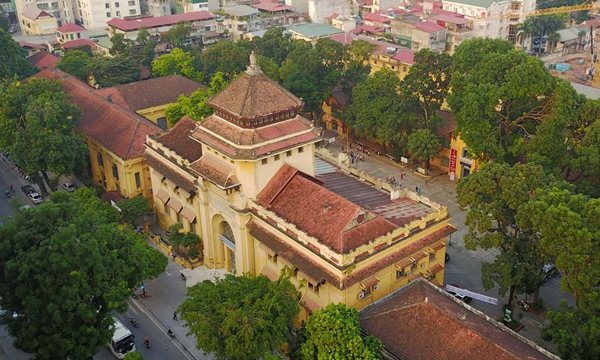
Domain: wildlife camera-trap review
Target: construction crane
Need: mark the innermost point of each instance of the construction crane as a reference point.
(564, 9)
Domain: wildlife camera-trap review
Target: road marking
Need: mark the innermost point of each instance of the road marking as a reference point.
(160, 327)
(168, 273)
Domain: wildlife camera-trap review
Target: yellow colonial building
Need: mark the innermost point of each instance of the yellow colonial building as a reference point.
(115, 138)
(247, 180)
(151, 98)
(35, 21)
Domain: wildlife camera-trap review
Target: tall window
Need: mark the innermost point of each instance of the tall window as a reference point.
(100, 159)
(138, 180)
(115, 172)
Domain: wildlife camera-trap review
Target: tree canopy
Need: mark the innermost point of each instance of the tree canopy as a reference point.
(422, 145)
(241, 317)
(493, 197)
(75, 62)
(65, 266)
(37, 127)
(14, 64)
(499, 97)
(177, 62)
(334, 333)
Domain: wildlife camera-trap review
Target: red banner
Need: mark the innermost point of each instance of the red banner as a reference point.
(452, 168)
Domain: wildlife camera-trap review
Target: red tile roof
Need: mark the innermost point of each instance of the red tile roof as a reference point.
(429, 26)
(33, 45)
(450, 18)
(117, 129)
(421, 321)
(369, 29)
(178, 139)
(335, 221)
(78, 43)
(33, 12)
(378, 18)
(405, 56)
(254, 96)
(44, 60)
(215, 170)
(271, 6)
(152, 22)
(70, 27)
(150, 93)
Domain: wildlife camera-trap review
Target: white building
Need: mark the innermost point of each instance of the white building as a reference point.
(94, 14)
(496, 19)
(61, 10)
(320, 10)
(160, 7)
(199, 5)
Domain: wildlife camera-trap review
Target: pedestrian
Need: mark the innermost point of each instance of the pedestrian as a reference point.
(402, 175)
(417, 189)
(173, 255)
(175, 315)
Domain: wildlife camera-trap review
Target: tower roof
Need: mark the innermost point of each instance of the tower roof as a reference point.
(254, 100)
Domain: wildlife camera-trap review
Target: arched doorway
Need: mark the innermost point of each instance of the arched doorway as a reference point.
(228, 243)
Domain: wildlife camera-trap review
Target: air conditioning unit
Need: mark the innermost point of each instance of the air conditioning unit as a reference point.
(361, 295)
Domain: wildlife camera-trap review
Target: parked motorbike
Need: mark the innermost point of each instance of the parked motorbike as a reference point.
(133, 321)
(523, 304)
(7, 193)
(170, 333)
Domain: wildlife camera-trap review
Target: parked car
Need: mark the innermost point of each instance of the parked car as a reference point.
(464, 298)
(27, 189)
(35, 198)
(69, 187)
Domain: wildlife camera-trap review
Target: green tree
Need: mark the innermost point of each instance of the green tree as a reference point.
(145, 49)
(187, 240)
(76, 63)
(356, 63)
(334, 333)
(228, 57)
(274, 45)
(108, 71)
(376, 109)
(121, 45)
(177, 62)
(569, 228)
(134, 355)
(12, 57)
(575, 332)
(241, 317)
(37, 127)
(422, 145)
(65, 266)
(177, 34)
(193, 106)
(499, 97)
(134, 208)
(493, 197)
(427, 85)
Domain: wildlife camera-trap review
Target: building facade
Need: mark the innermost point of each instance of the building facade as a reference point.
(62, 11)
(34, 21)
(93, 14)
(246, 179)
(114, 137)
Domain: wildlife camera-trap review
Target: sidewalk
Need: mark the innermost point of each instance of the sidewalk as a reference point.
(165, 293)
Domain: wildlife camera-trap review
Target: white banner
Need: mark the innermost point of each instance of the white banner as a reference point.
(473, 295)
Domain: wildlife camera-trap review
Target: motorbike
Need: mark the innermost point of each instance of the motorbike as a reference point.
(170, 333)
(7, 193)
(523, 304)
(133, 321)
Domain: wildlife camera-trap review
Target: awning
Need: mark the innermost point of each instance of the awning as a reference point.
(419, 255)
(265, 248)
(438, 245)
(400, 265)
(369, 282)
(188, 214)
(175, 204)
(270, 273)
(162, 195)
(309, 303)
(308, 278)
(435, 269)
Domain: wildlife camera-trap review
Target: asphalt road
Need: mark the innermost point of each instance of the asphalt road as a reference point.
(163, 347)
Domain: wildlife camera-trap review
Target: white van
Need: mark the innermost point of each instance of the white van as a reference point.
(122, 340)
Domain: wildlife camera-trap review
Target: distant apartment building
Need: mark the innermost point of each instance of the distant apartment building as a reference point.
(320, 10)
(416, 33)
(495, 19)
(161, 7)
(199, 5)
(62, 10)
(34, 21)
(241, 19)
(204, 26)
(94, 14)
